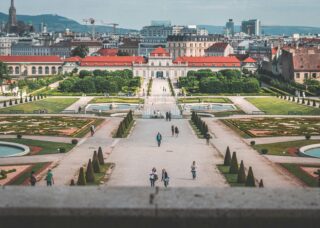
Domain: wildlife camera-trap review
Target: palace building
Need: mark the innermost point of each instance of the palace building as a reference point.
(159, 63)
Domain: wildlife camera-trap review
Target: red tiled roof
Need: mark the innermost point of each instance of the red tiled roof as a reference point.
(159, 52)
(210, 61)
(111, 60)
(30, 59)
(306, 62)
(217, 47)
(73, 59)
(249, 60)
(108, 51)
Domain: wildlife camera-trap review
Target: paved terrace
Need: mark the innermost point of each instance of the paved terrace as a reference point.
(145, 207)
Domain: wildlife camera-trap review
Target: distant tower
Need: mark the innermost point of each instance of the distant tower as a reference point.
(12, 21)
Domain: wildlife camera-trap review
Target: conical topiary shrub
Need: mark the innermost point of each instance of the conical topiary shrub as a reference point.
(72, 183)
(5, 104)
(81, 178)
(95, 154)
(227, 158)
(314, 104)
(21, 100)
(96, 165)
(26, 100)
(261, 185)
(16, 101)
(250, 182)
(234, 167)
(241, 174)
(308, 103)
(100, 156)
(10, 102)
(90, 173)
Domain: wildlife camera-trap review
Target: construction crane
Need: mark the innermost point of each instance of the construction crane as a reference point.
(114, 25)
(91, 21)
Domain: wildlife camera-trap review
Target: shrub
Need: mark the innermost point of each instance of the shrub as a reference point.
(227, 158)
(81, 178)
(89, 173)
(234, 167)
(264, 151)
(10, 102)
(250, 182)
(5, 104)
(21, 100)
(241, 174)
(314, 104)
(26, 100)
(74, 141)
(72, 183)
(252, 143)
(62, 150)
(19, 136)
(308, 137)
(95, 163)
(16, 101)
(100, 156)
(308, 103)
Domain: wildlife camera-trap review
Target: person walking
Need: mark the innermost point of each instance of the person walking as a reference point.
(176, 131)
(92, 129)
(159, 139)
(33, 179)
(49, 178)
(153, 177)
(208, 137)
(172, 130)
(194, 170)
(165, 178)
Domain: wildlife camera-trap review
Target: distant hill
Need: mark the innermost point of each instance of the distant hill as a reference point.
(58, 23)
(269, 30)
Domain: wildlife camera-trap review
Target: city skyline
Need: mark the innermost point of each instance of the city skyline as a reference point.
(134, 15)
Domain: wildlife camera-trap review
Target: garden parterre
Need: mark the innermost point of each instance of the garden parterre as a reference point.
(268, 127)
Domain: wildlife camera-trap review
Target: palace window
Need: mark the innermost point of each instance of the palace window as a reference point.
(297, 75)
(40, 70)
(47, 71)
(53, 70)
(314, 75)
(17, 70)
(10, 70)
(306, 75)
(34, 70)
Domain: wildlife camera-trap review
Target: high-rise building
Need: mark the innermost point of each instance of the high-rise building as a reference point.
(230, 28)
(251, 27)
(12, 21)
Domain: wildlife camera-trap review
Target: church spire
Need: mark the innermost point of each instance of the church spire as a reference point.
(12, 3)
(12, 21)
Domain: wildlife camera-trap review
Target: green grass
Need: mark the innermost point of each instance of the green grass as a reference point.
(117, 100)
(86, 130)
(47, 147)
(53, 105)
(231, 178)
(204, 100)
(300, 174)
(101, 176)
(280, 149)
(38, 167)
(276, 106)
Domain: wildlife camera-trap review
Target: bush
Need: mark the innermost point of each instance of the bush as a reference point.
(234, 167)
(241, 174)
(95, 163)
(250, 182)
(264, 151)
(16, 101)
(5, 104)
(252, 143)
(89, 173)
(74, 141)
(261, 185)
(227, 158)
(100, 156)
(81, 178)
(308, 137)
(62, 150)
(19, 136)
(10, 102)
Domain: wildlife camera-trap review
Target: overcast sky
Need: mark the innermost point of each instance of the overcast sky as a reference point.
(136, 13)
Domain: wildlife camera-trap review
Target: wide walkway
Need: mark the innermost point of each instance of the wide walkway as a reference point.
(137, 155)
(272, 175)
(243, 104)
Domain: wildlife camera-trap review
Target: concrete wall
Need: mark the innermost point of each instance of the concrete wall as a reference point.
(144, 207)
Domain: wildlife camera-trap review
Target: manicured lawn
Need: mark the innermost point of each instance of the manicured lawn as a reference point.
(204, 100)
(46, 146)
(269, 127)
(117, 100)
(231, 178)
(283, 148)
(100, 177)
(23, 179)
(306, 178)
(52, 105)
(276, 106)
(64, 126)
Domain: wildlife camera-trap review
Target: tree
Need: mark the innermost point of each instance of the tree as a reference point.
(81, 51)
(250, 182)
(227, 158)
(89, 173)
(95, 163)
(100, 156)
(4, 74)
(81, 178)
(234, 167)
(241, 174)
(21, 100)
